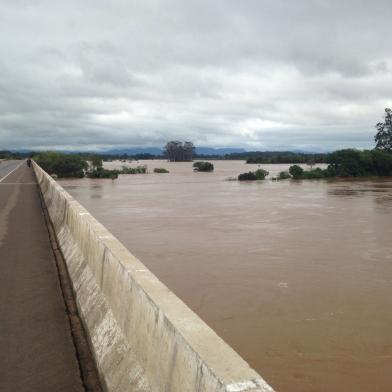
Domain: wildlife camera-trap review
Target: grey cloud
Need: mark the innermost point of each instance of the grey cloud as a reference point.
(259, 73)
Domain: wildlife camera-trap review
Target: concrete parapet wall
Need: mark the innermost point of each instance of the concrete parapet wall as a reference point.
(143, 337)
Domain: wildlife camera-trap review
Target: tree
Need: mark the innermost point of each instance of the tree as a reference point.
(203, 166)
(96, 162)
(250, 176)
(283, 175)
(355, 163)
(177, 151)
(259, 174)
(63, 165)
(383, 136)
(189, 151)
(296, 171)
(172, 150)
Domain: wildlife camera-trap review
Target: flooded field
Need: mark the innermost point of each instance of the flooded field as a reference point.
(295, 275)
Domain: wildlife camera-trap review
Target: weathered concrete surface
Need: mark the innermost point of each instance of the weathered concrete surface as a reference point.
(36, 349)
(144, 338)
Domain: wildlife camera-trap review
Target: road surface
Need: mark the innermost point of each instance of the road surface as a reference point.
(36, 348)
(6, 168)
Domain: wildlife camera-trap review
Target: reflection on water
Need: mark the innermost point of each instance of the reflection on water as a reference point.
(295, 275)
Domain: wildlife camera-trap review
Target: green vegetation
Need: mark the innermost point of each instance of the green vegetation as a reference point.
(383, 136)
(354, 163)
(4, 154)
(103, 173)
(259, 174)
(317, 173)
(249, 176)
(176, 151)
(281, 157)
(96, 170)
(134, 170)
(63, 165)
(100, 172)
(349, 163)
(160, 170)
(283, 175)
(203, 166)
(80, 165)
(296, 171)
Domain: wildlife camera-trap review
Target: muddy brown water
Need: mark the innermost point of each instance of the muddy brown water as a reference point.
(295, 275)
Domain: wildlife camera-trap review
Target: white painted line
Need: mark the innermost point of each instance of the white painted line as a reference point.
(17, 167)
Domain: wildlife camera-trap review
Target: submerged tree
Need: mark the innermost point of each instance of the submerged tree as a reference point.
(383, 136)
(189, 151)
(296, 171)
(203, 166)
(176, 151)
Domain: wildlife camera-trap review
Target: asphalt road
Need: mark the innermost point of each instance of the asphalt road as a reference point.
(7, 166)
(36, 348)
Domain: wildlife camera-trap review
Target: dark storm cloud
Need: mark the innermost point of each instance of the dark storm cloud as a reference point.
(258, 74)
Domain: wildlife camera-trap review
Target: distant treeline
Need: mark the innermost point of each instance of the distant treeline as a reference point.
(249, 157)
(349, 163)
(281, 157)
(341, 163)
(125, 157)
(4, 154)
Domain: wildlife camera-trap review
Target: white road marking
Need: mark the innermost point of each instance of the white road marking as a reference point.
(17, 167)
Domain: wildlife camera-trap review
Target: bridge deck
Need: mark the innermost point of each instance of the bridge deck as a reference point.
(36, 348)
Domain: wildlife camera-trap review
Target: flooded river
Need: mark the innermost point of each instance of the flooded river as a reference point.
(294, 275)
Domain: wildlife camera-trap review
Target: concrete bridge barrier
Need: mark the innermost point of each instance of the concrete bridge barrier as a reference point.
(142, 336)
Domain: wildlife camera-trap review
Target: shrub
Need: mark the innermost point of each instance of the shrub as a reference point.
(160, 170)
(313, 174)
(250, 176)
(134, 170)
(63, 165)
(296, 171)
(261, 174)
(103, 173)
(346, 163)
(283, 175)
(203, 166)
(382, 163)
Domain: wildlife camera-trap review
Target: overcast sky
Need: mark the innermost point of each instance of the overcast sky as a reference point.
(259, 74)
